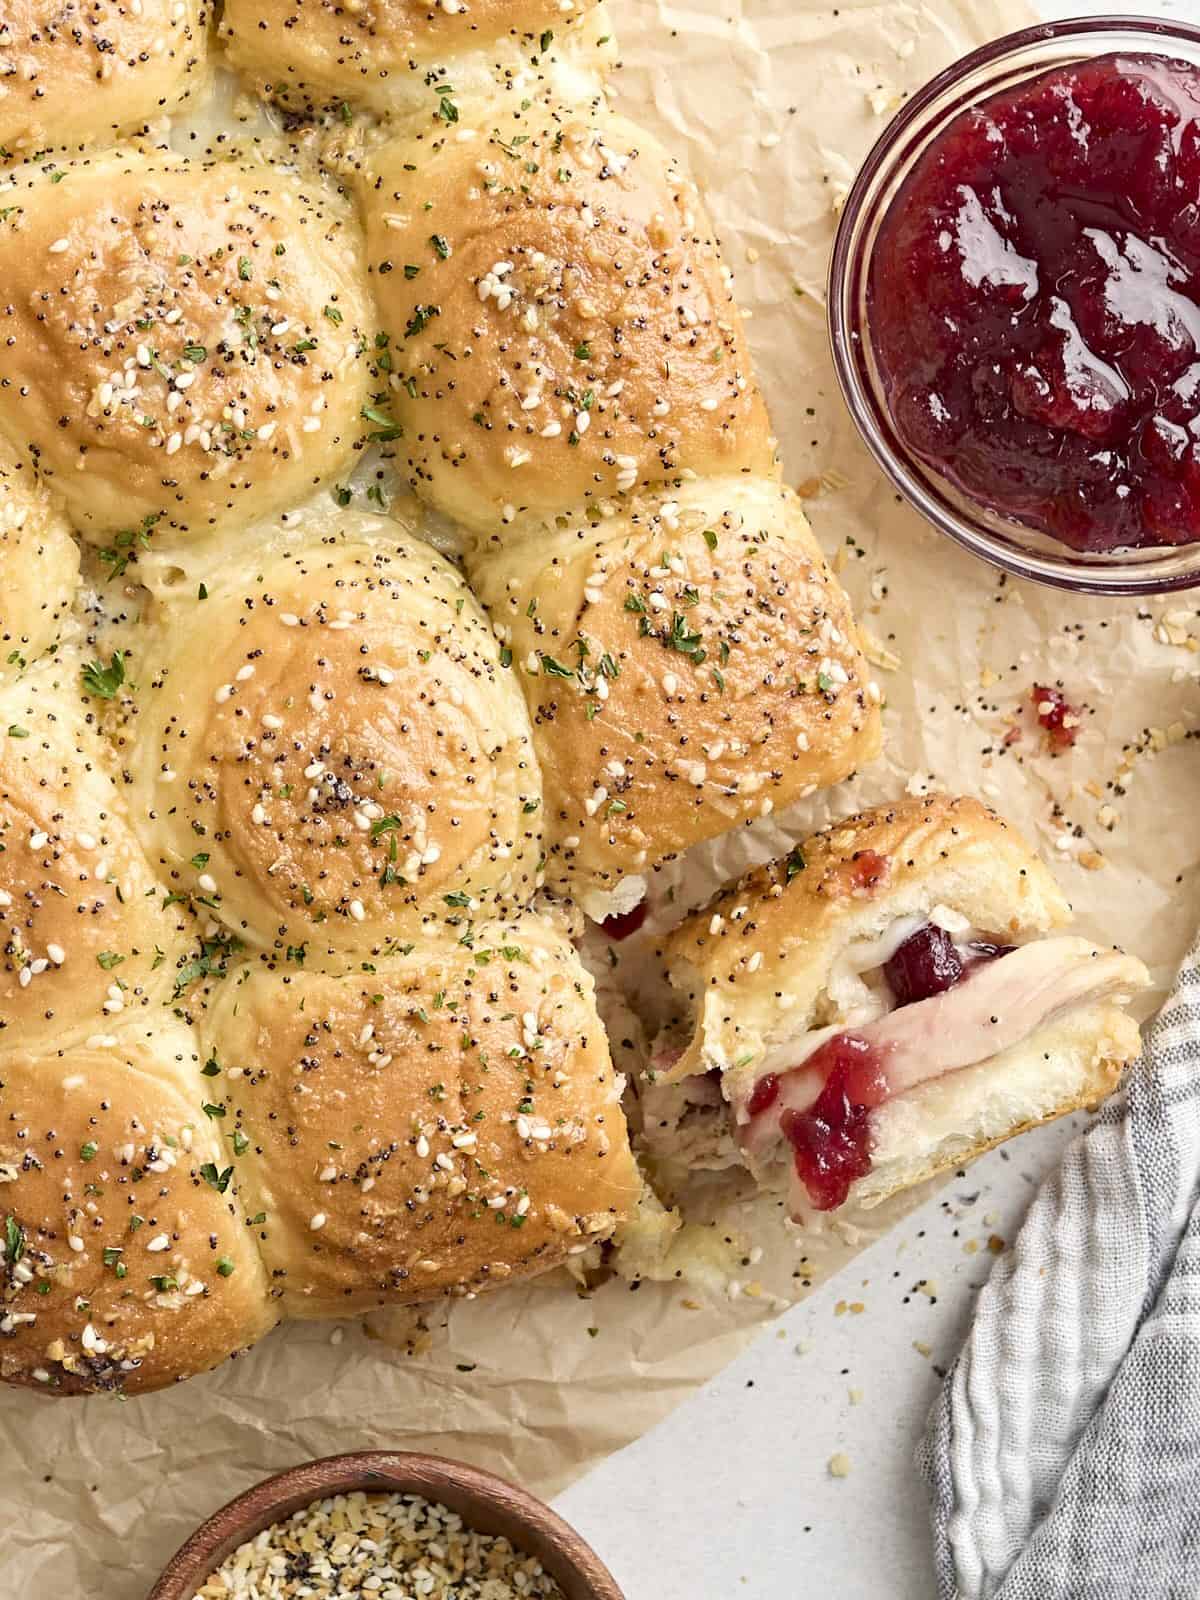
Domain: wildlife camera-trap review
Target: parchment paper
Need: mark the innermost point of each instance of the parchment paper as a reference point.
(774, 102)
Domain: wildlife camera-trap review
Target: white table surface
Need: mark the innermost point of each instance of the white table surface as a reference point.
(732, 1497)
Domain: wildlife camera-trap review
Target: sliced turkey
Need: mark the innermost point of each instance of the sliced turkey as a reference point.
(998, 1004)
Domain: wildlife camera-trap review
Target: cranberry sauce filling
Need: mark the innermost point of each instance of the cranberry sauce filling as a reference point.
(1057, 715)
(624, 923)
(1035, 303)
(764, 1095)
(831, 1141)
(929, 962)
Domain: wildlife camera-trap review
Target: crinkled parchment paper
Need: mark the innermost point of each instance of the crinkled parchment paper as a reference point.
(774, 102)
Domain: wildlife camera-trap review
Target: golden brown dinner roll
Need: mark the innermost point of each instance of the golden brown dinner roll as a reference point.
(181, 344)
(440, 1123)
(77, 72)
(889, 1000)
(328, 748)
(562, 326)
(689, 665)
(127, 1262)
(88, 938)
(406, 57)
(39, 568)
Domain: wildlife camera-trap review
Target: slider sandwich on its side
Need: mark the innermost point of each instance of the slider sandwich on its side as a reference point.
(891, 999)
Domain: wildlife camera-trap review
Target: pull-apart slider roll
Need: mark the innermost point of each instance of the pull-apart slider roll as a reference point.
(893, 998)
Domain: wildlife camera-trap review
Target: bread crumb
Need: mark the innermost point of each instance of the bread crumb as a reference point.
(839, 1465)
(876, 652)
(922, 1348)
(856, 1396)
(995, 1244)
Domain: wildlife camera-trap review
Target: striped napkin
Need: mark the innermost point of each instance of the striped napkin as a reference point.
(1062, 1455)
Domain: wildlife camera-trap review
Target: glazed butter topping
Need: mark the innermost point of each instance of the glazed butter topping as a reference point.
(956, 1005)
(1035, 303)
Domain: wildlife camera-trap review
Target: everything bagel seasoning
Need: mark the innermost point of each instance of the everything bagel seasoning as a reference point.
(383, 1547)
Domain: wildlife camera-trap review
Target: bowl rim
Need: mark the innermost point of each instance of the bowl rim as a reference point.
(478, 1496)
(1156, 569)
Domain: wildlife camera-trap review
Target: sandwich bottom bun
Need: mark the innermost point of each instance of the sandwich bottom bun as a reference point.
(1072, 1066)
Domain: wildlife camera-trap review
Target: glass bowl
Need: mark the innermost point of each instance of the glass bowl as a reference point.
(1002, 540)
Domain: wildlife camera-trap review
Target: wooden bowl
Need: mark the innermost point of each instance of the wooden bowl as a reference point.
(485, 1503)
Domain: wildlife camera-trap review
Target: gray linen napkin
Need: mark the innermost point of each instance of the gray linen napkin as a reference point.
(1062, 1455)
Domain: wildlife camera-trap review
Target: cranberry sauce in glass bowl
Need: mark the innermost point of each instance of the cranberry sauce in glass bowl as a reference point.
(1015, 303)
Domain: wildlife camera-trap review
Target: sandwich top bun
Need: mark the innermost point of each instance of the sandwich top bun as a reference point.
(128, 1261)
(328, 748)
(183, 343)
(569, 333)
(39, 568)
(88, 937)
(403, 57)
(689, 664)
(440, 1124)
(80, 72)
